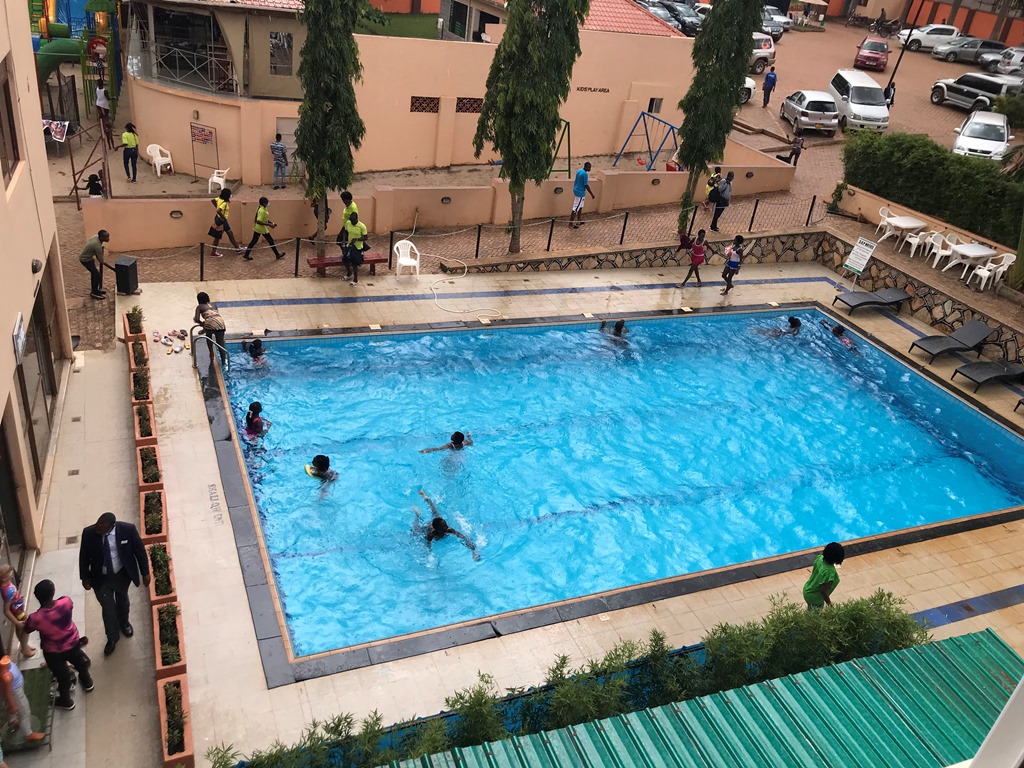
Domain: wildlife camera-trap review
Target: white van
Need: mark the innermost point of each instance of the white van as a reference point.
(860, 100)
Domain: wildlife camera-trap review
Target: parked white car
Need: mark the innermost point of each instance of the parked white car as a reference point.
(928, 36)
(860, 100)
(983, 134)
(1011, 62)
(779, 16)
(748, 89)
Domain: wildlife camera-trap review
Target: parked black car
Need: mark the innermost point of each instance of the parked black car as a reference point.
(689, 20)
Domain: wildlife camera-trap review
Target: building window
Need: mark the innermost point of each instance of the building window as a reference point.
(281, 53)
(654, 106)
(9, 155)
(458, 19)
(425, 104)
(467, 104)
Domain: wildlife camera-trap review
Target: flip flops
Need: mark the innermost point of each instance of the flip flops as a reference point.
(156, 336)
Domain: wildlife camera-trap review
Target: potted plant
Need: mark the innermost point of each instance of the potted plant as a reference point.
(145, 423)
(153, 517)
(169, 640)
(132, 321)
(147, 464)
(161, 585)
(141, 391)
(175, 723)
(138, 354)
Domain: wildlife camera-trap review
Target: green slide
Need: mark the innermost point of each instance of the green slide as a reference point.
(52, 54)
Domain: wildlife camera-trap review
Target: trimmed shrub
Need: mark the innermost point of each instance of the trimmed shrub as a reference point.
(1013, 108)
(915, 172)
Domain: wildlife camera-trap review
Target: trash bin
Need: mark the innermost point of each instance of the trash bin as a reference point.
(126, 275)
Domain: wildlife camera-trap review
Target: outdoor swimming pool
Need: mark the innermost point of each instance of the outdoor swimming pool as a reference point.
(596, 464)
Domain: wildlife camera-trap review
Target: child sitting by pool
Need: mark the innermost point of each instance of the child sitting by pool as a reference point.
(438, 528)
(255, 425)
(320, 468)
(457, 443)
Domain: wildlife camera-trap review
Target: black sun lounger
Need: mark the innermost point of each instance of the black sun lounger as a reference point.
(967, 338)
(890, 297)
(1018, 405)
(983, 373)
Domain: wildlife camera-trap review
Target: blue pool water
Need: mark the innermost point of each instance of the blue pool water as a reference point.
(597, 465)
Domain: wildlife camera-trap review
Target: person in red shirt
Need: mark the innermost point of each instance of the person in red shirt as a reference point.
(60, 641)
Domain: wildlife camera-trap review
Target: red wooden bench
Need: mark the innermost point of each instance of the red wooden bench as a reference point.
(321, 265)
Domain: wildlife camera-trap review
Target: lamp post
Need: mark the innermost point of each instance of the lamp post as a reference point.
(903, 48)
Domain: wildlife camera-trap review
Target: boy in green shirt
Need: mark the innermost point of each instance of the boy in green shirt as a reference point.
(350, 208)
(355, 233)
(824, 577)
(261, 228)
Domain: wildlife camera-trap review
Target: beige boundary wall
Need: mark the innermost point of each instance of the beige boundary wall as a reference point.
(147, 223)
(614, 79)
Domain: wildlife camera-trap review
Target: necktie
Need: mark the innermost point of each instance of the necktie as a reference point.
(108, 563)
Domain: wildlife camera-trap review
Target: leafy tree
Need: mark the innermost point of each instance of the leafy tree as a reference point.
(329, 123)
(721, 57)
(529, 79)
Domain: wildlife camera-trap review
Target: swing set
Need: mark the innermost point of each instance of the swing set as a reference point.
(655, 135)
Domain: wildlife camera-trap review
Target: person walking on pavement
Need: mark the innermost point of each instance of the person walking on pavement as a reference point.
(795, 148)
(580, 188)
(722, 197)
(280, 154)
(261, 228)
(733, 259)
(19, 710)
(60, 641)
(770, 81)
(111, 557)
(92, 259)
(130, 144)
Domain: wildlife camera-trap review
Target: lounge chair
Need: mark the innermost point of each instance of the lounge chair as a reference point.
(983, 373)
(1018, 405)
(967, 338)
(890, 297)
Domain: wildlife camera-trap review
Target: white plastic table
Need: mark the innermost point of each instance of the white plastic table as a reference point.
(900, 226)
(970, 255)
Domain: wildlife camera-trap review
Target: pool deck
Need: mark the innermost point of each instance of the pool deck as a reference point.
(231, 702)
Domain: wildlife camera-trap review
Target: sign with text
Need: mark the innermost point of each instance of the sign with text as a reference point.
(859, 256)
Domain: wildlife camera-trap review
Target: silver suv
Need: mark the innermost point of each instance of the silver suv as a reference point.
(763, 53)
(976, 90)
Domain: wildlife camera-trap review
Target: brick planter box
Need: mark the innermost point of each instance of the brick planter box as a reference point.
(158, 485)
(186, 758)
(177, 668)
(153, 538)
(129, 337)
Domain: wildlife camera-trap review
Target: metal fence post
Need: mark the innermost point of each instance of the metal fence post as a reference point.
(810, 211)
(693, 218)
(753, 213)
(625, 221)
(551, 233)
(202, 262)
(479, 229)
(391, 248)
(298, 245)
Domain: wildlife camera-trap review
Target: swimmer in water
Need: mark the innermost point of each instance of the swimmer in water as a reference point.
(320, 468)
(774, 333)
(840, 333)
(255, 425)
(438, 528)
(619, 330)
(457, 443)
(255, 350)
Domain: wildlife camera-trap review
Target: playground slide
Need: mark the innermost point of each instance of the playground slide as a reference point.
(55, 52)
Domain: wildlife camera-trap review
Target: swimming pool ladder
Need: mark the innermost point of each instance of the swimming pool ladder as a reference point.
(192, 344)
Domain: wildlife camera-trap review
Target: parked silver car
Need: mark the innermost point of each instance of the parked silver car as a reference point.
(811, 110)
(967, 49)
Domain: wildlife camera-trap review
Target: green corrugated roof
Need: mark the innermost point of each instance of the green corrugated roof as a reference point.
(926, 706)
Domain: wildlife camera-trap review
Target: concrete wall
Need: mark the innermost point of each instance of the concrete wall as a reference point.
(30, 232)
(971, 21)
(613, 81)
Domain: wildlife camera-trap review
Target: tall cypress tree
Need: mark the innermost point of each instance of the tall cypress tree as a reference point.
(329, 124)
(529, 79)
(721, 57)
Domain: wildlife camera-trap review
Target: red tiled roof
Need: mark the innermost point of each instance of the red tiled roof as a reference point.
(625, 16)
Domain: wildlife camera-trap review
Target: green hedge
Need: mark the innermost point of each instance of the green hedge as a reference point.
(1013, 108)
(915, 172)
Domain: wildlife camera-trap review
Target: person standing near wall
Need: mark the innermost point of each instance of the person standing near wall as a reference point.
(130, 144)
(580, 188)
(92, 259)
(346, 216)
(261, 228)
(723, 195)
(770, 81)
(280, 154)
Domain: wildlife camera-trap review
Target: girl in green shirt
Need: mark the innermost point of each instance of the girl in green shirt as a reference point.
(261, 227)
(824, 577)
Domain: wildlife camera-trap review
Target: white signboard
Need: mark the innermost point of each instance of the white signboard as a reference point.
(19, 337)
(859, 256)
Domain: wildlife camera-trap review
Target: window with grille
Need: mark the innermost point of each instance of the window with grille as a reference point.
(281, 53)
(467, 104)
(9, 153)
(425, 104)
(458, 18)
(654, 106)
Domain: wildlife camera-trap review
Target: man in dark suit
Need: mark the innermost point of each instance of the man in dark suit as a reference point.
(110, 558)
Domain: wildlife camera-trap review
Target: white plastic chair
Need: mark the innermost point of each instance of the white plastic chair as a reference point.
(916, 240)
(884, 214)
(940, 249)
(160, 158)
(408, 255)
(220, 178)
(995, 270)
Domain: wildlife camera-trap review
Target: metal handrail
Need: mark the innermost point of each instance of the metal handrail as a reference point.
(192, 344)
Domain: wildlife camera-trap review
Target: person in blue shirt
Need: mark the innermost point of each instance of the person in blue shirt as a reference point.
(770, 81)
(733, 258)
(580, 187)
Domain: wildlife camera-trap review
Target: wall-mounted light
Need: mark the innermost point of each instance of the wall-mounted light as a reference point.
(655, 182)
(195, 114)
(750, 174)
(176, 214)
(37, 266)
(446, 200)
(850, 192)
(559, 190)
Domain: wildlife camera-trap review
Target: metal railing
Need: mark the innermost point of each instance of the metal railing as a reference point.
(207, 66)
(192, 338)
